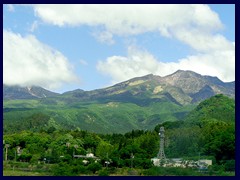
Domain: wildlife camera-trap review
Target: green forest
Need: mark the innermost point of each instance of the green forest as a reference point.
(207, 132)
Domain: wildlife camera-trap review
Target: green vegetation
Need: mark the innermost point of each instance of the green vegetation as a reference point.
(108, 117)
(208, 132)
(219, 108)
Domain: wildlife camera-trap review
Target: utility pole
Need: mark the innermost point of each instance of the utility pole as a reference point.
(199, 158)
(15, 155)
(107, 161)
(3, 147)
(75, 147)
(132, 156)
(7, 146)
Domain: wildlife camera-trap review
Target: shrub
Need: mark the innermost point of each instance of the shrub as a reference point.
(103, 172)
(63, 169)
(94, 167)
(230, 165)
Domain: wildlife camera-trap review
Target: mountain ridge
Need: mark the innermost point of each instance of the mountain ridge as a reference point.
(138, 103)
(184, 87)
(27, 92)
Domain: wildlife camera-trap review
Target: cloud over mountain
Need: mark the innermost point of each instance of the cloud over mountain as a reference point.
(187, 23)
(130, 19)
(141, 62)
(194, 25)
(27, 61)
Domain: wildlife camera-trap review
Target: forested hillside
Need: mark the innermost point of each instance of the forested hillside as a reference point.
(136, 104)
(208, 131)
(110, 117)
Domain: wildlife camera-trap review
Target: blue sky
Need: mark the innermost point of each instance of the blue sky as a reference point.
(63, 48)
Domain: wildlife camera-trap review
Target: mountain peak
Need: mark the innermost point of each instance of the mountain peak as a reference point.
(27, 92)
(183, 85)
(181, 71)
(184, 74)
(191, 82)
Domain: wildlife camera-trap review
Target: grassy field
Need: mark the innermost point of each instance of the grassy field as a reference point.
(12, 168)
(23, 173)
(119, 173)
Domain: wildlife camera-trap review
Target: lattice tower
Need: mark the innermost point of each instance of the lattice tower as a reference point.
(161, 154)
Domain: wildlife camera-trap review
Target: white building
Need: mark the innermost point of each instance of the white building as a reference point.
(205, 161)
(179, 162)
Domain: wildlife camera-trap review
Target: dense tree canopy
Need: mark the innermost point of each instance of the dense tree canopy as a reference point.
(208, 131)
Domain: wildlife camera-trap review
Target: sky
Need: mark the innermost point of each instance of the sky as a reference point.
(80, 46)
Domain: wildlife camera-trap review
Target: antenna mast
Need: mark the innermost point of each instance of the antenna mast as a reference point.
(161, 154)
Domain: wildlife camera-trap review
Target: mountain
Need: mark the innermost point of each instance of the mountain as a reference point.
(204, 93)
(181, 87)
(139, 103)
(30, 92)
(191, 83)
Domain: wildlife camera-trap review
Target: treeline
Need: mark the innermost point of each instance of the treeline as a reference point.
(214, 141)
(205, 134)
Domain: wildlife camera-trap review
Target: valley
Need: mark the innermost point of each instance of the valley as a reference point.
(43, 130)
(139, 103)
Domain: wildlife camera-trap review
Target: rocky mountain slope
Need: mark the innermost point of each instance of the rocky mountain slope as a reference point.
(30, 92)
(181, 87)
(139, 103)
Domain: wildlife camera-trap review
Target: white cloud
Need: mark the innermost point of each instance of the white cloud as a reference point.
(104, 37)
(123, 19)
(195, 25)
(26, 61)
(203, 42)
(140, 63)
(135, 18)
(10, 8)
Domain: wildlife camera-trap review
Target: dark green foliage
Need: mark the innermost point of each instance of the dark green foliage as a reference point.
(34, 122)
(95, 116)
(24, 157)
(63, 169)
(210, 137)
(170, 171)
(51, 130)
(209, 130)
(170, 125)
(142, 163)
(94, 167)
(219, 138)
(67, 158)
(230, 165)
(103, 172)
(218, 107)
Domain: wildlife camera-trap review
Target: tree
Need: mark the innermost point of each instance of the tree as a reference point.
(219, 140)
(94, 167)
(63, 169)
(230, 165)
(104, 149)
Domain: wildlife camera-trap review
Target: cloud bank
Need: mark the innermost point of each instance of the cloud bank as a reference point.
(140, 62)
(194, 25)
(26, 61)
